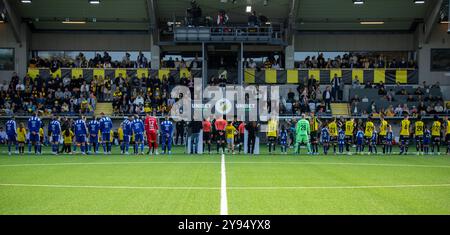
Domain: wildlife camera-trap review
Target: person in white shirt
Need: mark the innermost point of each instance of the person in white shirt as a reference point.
(20, 87)
(138, 101)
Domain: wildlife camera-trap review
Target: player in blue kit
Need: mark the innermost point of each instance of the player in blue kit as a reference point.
(373, 143)
(359, 141)
(389, 140)
(54, 129)
(167, 134)
(137, 126)
(34, 124)
(283, 137)
(105, 129)
(127, 133)
(325, 138)
(93, 128)
(426, 140)
(11, 134)
(80, 134)
(341, 141)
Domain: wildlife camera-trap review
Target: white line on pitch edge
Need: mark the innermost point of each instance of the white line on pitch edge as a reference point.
(243, 162)
(223, 201)
(223, 188)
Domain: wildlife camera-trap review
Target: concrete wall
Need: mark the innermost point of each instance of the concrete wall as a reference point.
(354, 42)
(439, 39)
(7, 40)
(91, 41)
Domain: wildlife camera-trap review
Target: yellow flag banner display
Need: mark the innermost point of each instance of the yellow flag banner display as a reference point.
(120, 71)
(249, 76)
(139, 73)
(77, 73)
(56, 73)
(99, 72)
(292, 76)
(338, 72)
(32, 72)
(358, 74)
(401, 76)
(185, 72)
(315, 73)
(271, 76)
(379, 76)
(163, 72)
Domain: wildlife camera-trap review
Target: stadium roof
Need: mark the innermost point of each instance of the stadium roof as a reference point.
(138, 14)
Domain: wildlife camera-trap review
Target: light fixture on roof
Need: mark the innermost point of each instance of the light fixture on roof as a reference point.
(371, 22)
(419, 1)
(223, 1)
(94, 2)
(265, 2)
(248, 9)
(25, 1)
(68, 21)
(358, 2)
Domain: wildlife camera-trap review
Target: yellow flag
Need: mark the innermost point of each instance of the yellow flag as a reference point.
(292, 76)
(338, 72)
(315, 73)
(379, 75)
(77, 73)
(120, 71)
(56, 73)
(401, 76)
(358, 74)
(33, 72)
(249, 76)
(139, 73)
(271, 75)
(163, 72)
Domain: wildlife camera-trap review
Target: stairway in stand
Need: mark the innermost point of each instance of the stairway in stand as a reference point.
(105, 107)
(340, 109)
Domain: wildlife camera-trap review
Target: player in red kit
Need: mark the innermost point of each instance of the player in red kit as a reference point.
(207, 136)
(151, 130)
(220, 125)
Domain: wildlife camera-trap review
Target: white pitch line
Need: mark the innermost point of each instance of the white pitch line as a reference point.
(243, 162)
(223, 203)
(111, 187)
(223, 188)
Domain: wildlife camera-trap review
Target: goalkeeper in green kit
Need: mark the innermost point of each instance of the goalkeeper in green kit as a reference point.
(302, 131)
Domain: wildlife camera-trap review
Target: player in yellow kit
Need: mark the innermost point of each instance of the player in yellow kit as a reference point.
(120, 136)
(447, 133)
(21, 137)
(230, 131)
(383, 132)
(404, 135)
(333, 129)
(272, 126)
(436, 135)
(349, 131)
(368, 132)
(419, 128)
(314, 124)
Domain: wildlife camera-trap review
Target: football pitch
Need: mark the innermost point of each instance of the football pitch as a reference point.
(234, 184)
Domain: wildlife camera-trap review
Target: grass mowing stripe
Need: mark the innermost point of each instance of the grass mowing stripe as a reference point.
(111, 187)
(240, 162)
(223, 188)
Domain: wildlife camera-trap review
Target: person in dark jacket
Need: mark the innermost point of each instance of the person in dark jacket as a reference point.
(179, 126)
(252, 130)
(195, 127)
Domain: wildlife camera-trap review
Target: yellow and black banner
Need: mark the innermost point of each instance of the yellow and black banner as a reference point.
(89, 74)
(324, 76)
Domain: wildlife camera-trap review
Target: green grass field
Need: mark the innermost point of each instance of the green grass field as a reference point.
(263, 184)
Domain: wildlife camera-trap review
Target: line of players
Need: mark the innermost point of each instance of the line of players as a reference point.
(337, 134)
(345, 133)
(88, 136)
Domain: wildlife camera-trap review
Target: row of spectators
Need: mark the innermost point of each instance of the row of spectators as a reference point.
(355, 61)
(428, 104)
(98, 61)
(62, 96)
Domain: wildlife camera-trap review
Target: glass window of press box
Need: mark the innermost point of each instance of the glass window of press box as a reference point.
(6, 59)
